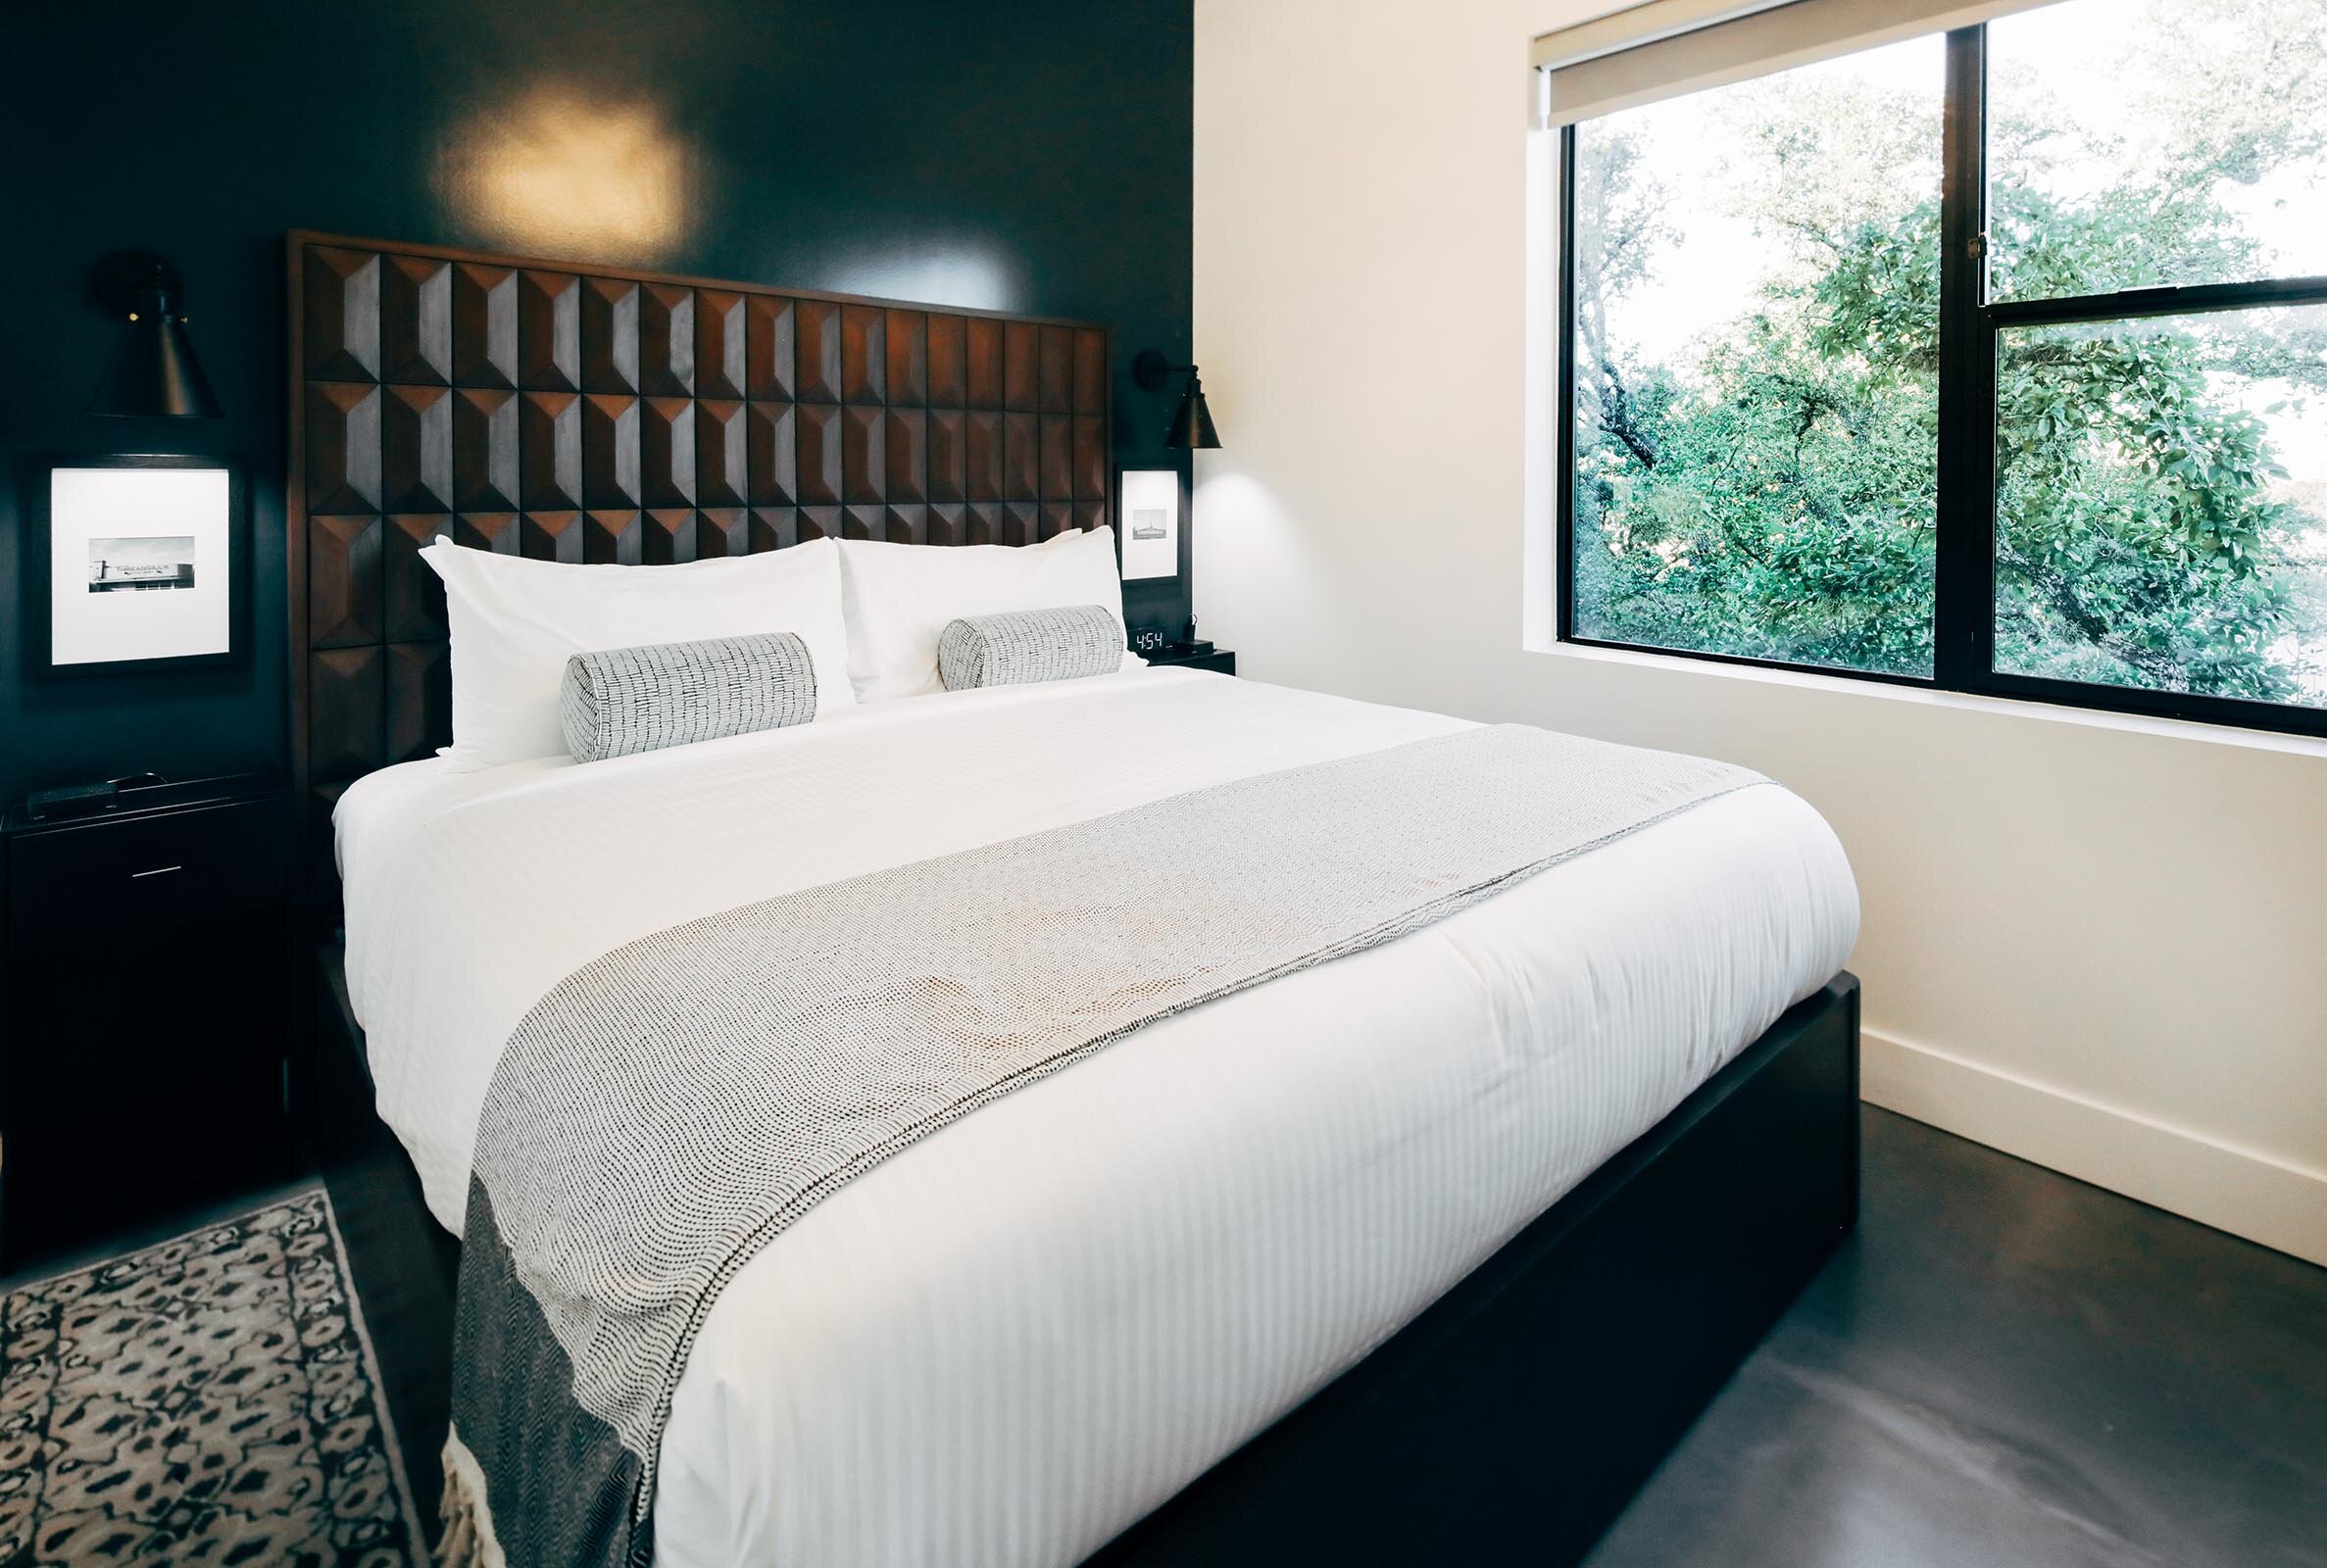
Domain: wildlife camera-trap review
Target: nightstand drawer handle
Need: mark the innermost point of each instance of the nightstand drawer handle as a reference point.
(159, 870)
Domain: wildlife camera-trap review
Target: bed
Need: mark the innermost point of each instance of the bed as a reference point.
(1434, 1247)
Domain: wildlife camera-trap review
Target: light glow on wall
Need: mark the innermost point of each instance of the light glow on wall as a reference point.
(935, 269)
(557, 173)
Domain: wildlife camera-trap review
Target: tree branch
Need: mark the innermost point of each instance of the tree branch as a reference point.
(1615, 415)
(2159, 670)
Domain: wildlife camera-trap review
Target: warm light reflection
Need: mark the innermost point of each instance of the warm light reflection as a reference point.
(561, 173)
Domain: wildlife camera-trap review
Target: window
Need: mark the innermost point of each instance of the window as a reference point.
(1756, 374)
(1995, 362)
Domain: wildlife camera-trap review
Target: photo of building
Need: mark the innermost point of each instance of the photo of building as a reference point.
(141, 564)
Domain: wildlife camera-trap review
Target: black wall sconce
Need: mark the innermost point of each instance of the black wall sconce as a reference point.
(154, 375)
(1191, 423)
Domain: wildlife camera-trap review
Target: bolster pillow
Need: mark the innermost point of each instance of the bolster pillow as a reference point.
(628, 699)
(1018, 646)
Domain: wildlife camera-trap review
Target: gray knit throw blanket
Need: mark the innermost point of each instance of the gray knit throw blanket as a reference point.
(671, 1106)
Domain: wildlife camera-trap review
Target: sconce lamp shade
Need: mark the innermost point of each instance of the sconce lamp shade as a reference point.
(154, 373)
(1191, 422)
(1192, 425)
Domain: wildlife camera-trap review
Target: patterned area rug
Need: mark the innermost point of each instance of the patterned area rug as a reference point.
(209, 1400)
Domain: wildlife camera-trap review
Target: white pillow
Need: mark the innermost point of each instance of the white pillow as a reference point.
(899, 599)
(516, 621)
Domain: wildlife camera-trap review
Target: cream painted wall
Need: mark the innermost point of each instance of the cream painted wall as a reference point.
(2099, 944)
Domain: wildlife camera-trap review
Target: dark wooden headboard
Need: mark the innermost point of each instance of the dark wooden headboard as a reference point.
(593, 414)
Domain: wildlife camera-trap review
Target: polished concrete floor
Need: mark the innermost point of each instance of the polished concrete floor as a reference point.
(2006, 1367)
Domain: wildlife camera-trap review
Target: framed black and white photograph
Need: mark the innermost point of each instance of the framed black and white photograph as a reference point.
(1151, 522)
(142, 562)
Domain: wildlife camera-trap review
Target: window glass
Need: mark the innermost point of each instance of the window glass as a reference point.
(2162, 504)
(2137, 143)
(1756, 359)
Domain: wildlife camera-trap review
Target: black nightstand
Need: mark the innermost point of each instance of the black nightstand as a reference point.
(1218, 661)
(147, 976)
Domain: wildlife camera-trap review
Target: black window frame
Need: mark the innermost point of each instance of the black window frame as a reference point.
(1971, 324)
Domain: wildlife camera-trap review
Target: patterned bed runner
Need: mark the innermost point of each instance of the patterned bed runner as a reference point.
(671, 1106)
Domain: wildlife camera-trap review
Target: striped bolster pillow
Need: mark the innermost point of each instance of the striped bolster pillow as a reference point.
(628, 699)
(1019, 646)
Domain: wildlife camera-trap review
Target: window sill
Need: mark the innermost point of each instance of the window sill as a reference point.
(2253, 740)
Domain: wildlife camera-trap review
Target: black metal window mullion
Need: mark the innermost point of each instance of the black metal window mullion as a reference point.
(1964, 590)
(2134, 304)
(1563, 415)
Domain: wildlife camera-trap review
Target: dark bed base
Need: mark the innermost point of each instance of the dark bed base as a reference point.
(1511, 1422)
(403, 1262)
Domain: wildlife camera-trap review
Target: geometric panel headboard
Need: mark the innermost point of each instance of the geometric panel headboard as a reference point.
(586, 413)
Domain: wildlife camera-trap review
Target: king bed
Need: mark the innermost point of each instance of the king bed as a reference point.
(1430, 1248)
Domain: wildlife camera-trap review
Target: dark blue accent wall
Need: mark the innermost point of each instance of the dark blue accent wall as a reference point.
(1020, 155)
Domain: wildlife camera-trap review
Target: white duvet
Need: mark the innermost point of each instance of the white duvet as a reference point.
(1014, 1338)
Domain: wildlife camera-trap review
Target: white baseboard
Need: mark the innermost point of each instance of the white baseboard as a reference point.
(2237, 1190)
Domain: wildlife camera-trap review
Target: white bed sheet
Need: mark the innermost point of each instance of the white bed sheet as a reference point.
(1012, 1341)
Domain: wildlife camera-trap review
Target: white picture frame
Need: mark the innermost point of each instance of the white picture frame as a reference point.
(1151, 520)
(142, 562)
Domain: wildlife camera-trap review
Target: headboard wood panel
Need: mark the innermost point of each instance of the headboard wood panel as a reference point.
(591, 414)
